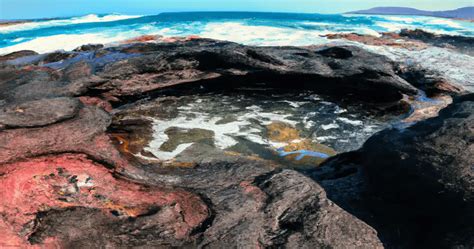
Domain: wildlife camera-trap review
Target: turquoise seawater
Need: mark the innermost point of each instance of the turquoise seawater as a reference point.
(244, 27)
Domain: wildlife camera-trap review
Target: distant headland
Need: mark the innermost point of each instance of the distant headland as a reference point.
(461, 13)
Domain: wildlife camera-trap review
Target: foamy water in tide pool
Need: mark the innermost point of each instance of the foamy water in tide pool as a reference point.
(246, 122)
(242, 27)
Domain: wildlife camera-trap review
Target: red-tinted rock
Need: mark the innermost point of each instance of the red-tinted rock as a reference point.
(94, 101)
(83, 134)
(66, 181)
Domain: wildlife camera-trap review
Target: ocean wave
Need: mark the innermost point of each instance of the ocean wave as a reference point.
(259, 31)
(445, 22)
(262, 35)
(393, 26)
(400, 19)
(92, 18)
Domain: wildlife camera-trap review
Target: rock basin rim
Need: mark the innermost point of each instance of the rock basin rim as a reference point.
(56, 111)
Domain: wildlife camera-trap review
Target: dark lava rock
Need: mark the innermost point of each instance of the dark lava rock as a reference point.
(284, 209)
(225, 200)
(39, 112)
(414, 185)
(430, 162)
(334, 70)
(88, 47)
(57, 56)
(134, 70)
(462, 43)
(17, 54)
(252, 206)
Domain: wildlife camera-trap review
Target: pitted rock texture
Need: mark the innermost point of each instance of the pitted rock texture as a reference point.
(34, 188)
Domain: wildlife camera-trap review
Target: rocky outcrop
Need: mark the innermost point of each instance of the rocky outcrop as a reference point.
(463, 44)
(132, 70)
(429, 162)
(407, 179)
(224, 64)
(66, 182)
(81, 194)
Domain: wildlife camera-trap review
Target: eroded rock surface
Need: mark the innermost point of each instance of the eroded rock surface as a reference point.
(66, 183)
(405, 179)
(39, 112)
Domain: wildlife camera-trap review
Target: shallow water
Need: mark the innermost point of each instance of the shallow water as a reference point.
(286, 127)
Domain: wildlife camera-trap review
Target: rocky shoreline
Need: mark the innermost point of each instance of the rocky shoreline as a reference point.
(69, 179)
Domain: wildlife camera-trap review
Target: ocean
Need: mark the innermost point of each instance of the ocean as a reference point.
(251, 28)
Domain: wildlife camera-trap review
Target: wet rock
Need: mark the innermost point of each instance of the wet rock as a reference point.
(88, 47)
(179, 136)
(387, 39)
(429, 81)
(77, 71)
(95, 101)
(114, 206)
(282, 132)
(255, 205)
(463, 44)
(38, 113)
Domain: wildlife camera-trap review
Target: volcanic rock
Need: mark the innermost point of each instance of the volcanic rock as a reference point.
(429, 163)
(462, 43)
(337, 70)
(412, 178)
(38, 112)
(34, 190)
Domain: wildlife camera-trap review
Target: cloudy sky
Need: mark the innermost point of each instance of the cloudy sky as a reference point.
(20, 9)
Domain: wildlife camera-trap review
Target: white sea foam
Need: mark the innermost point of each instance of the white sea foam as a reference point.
(61, 22)
(262, 35)
(60, 42)
(224, 133)
(446, 22)
(400, 19)
(393, 26)
(330, 126)
(454, 66)
(349, 121)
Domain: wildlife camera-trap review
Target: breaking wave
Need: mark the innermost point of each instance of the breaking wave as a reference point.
(246, 28)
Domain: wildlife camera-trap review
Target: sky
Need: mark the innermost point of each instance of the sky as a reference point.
(25, 9)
